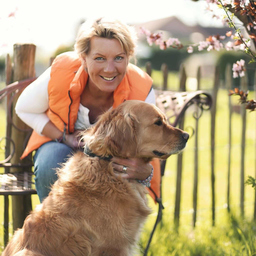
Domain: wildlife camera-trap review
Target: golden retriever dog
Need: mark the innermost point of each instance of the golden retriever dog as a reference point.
(91, 210)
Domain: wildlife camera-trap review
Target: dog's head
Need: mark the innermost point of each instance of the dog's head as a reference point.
(135, 129)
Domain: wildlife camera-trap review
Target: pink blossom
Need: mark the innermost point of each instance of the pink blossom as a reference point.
(229, 46)
(144, 31)
(170, 41)
(210, 48)
(235, 74)
(242, 47)
(158, 39)
(218, 46)
(177, 42)
(190, 49)
(212, 1)
(150, 40)
(241, 73)
(238, 68)
(13, 13)
(202, 45)
(173, 42)
(162, 45)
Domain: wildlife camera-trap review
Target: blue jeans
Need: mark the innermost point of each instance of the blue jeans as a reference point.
(46, 159)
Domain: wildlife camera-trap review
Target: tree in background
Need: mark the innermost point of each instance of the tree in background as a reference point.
(236, 14)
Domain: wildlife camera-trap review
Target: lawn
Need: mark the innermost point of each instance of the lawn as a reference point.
(231, 234)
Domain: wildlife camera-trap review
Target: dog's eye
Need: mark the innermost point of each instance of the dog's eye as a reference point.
(158, 122)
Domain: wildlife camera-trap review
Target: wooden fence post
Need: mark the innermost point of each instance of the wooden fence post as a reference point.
(228, 82)
(183, 78)
(8, 80)
(23, 68)
(254, 213)
(213, 122)
(164, 69)
(149, 68)
(243, 116)
(195, 186)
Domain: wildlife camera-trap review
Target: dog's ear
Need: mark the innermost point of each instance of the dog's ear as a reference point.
(115, 134)
(121, 137)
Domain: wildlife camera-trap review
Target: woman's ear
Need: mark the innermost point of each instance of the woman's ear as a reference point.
(83, 60)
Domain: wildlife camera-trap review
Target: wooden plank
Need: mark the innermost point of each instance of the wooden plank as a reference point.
(243, 135)
(254, 213)
(213, 123)
(183, 78)
(149, 68)
(8, 80)
(23, 68)
(228, 82)
(196, 155)
(165, 71)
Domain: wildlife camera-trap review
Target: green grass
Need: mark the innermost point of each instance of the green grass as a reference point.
(231, 235)
(234, 237)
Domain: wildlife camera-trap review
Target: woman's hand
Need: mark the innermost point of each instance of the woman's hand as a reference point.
(73, 140)
(133, 168)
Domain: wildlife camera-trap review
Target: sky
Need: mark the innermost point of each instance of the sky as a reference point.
(50, 23)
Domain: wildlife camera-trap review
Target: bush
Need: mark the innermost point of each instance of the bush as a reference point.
(172, 57)
(2, 65)
(63, 48)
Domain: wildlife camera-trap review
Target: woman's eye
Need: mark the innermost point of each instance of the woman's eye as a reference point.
(158, 122)
(119, 58)
(99, 58)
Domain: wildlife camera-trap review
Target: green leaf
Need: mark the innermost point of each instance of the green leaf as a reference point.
(251, 181)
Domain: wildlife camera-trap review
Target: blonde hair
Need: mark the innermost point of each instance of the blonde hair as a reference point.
(105, 28)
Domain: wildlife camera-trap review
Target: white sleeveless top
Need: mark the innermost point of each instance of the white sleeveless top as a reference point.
(82, 121)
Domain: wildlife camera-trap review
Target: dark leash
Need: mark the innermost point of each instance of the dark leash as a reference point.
(158, 219)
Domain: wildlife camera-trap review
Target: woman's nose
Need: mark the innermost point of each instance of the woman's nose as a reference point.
(109, 67)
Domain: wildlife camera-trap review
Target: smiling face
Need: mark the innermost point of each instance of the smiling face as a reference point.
(106, 64)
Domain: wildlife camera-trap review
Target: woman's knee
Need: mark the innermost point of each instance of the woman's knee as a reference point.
(47, 159)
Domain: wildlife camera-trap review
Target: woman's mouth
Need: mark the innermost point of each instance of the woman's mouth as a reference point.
(108, 78)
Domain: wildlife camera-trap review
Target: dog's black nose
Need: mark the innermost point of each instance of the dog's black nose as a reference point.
(185, 136)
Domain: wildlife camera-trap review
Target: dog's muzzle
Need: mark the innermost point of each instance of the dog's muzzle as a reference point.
(183, 142)
(185, 136)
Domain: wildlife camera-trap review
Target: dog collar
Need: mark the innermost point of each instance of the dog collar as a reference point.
(88, 152)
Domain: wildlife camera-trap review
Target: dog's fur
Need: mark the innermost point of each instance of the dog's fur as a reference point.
(91, 210)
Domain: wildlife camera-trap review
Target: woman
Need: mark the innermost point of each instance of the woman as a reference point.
(74, 91)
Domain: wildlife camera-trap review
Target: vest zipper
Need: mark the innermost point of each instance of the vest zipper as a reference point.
(64, 132)
(69, 108)
(65, 125)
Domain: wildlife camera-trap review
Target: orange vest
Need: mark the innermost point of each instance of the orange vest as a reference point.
(67, 81)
